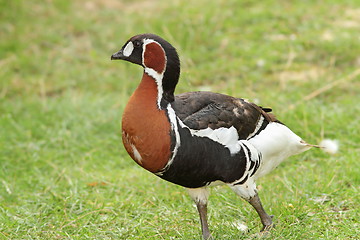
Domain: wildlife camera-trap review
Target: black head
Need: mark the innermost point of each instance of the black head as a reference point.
(131, 51)
(153, 52)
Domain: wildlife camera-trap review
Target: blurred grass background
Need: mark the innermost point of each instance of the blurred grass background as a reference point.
(63, 171)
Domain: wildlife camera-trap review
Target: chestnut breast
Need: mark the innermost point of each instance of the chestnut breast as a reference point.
(146, 128)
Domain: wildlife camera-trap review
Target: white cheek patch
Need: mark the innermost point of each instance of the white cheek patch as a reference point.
(128, 49)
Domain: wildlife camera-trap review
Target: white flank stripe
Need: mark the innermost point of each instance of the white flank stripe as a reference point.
(254, 158)
(254, 152)
(258, 126)
(228, 137)
(247, 164)
(246, 155)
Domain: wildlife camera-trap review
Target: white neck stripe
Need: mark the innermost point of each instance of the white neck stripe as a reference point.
(158, 77)
(174, 127)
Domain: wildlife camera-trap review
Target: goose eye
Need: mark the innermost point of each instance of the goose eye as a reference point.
(137, 43)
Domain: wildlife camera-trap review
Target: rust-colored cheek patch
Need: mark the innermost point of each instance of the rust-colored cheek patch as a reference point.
(154, 57)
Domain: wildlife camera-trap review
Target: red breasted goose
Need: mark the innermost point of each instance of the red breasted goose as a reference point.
(198, 139)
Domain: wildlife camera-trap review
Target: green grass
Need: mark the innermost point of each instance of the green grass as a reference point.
(63, 171)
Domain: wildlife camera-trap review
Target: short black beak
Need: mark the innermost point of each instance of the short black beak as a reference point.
(118, 55)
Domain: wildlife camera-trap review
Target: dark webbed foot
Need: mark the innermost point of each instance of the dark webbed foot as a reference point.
(269, 226)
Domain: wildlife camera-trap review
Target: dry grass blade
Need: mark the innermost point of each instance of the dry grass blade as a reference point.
(327, 87)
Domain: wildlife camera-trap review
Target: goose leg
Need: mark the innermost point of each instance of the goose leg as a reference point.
(266, 219)
(248, 192)
(200, 197)
(202, 209)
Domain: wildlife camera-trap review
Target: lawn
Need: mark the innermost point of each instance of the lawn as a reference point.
(64, 173)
